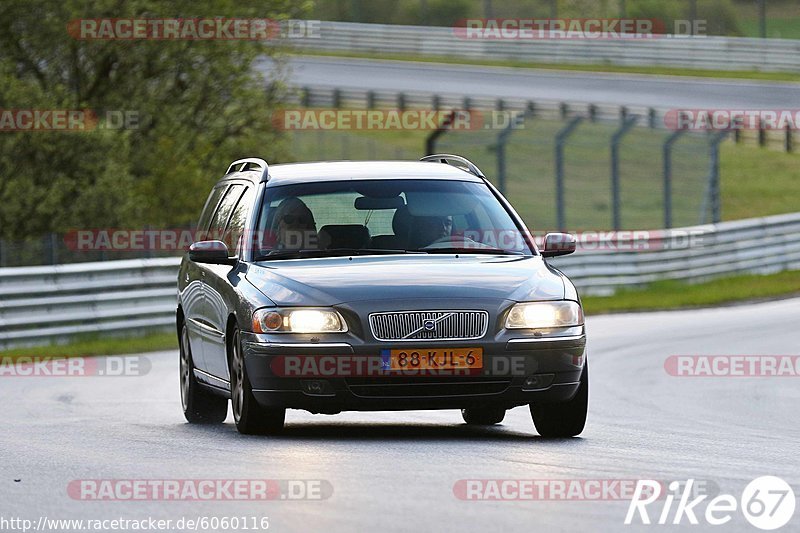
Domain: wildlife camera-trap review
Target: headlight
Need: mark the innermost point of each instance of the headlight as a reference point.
(544, 315)
(298, 321)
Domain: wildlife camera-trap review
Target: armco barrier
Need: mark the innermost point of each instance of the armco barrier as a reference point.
(714, 53)
(55, 303)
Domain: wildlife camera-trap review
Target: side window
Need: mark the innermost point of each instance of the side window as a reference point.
(238, 219)
(220, 220)
(209, 209)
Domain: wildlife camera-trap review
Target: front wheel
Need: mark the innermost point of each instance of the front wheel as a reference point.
(199, 405)
(565, 419)
(250, 417)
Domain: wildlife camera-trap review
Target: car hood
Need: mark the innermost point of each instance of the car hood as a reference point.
(332, 281)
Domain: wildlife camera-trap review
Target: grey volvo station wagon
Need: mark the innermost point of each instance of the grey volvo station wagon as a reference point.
(372, 286)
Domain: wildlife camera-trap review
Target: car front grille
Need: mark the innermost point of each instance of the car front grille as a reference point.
(429, 325)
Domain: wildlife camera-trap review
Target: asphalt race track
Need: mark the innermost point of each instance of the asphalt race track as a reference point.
(397, 471)
(501, 82)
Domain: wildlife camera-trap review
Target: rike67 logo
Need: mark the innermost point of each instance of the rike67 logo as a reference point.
(767, 502)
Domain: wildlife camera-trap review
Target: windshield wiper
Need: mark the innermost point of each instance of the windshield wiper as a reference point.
(462, 250)
(332, 252)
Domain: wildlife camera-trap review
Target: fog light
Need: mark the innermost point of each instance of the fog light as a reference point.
(538, 381)
(317, 387)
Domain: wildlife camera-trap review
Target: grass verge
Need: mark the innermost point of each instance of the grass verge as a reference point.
(679, 295)
(99, 346)
(619, 69)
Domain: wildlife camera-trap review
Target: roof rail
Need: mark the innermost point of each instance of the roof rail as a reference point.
(449, 159)
(250, 163)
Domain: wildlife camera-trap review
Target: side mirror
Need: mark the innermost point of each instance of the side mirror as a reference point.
(210, 252)
(556, 244)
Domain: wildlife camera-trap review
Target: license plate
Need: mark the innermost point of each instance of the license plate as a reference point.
(433, 359)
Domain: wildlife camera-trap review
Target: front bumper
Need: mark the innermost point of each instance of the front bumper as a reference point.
(343, 377)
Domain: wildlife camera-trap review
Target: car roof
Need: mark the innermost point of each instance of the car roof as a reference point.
(288, 173)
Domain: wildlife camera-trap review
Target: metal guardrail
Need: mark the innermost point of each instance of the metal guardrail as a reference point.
(714, 53)
(759, 245)
(56, 303)
(325, 96)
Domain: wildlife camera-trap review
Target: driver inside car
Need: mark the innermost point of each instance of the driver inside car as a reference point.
(294, 225)
(429, 230)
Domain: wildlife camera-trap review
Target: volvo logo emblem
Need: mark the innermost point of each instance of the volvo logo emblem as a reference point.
(429, 325)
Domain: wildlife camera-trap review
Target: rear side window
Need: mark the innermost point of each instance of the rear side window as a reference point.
(220, 220)
(210, 207)
(238, 219)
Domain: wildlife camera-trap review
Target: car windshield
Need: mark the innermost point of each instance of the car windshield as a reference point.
(360, 217)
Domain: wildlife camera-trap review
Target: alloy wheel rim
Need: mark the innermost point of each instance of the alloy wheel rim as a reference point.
(185, 366)
(237, 396)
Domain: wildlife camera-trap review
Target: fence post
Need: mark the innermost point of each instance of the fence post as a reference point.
(500, 150)
(437, 102)
(616, 139)
(51, 242)
(667, 159)
(561, 138)
(592, 113)
(651, 118)
(370, 99)
(430, 141)
(305, 98)
(337, 98)
(401, 101)
(148, 251)
(789, 142)
(563, 110)
(716, 215)
(2, 252)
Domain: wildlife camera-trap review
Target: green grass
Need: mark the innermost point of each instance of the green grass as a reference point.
(783, 20)
(757, 182)
(87, 347)
(680, 295)
(787, 28)
(621, 69)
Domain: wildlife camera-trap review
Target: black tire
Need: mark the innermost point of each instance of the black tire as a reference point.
(199, 405)
(483, 416)
(565, 419)
(250, 417)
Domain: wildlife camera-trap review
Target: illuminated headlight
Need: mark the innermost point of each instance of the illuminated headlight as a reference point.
(298, 321)
(544, 315)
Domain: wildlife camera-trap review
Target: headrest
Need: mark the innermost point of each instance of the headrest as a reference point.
(401, 222)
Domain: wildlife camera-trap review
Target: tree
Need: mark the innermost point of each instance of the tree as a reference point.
(197, 104)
